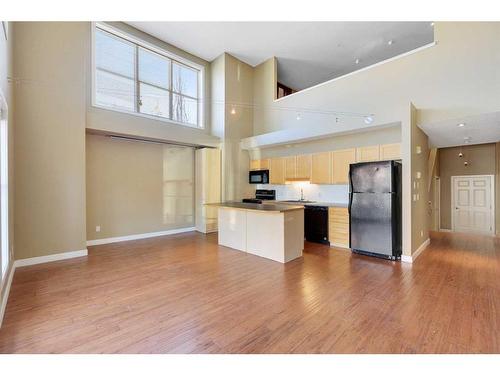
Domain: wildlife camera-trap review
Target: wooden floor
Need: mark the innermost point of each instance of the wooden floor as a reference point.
(185, 294)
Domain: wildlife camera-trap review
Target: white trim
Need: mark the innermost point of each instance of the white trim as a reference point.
(492, 211)
(6, 293)
(333, 244)
(406, 259)
(421, 248)
(361, 70)
(50, 258)
(445, 230)
(131, 237)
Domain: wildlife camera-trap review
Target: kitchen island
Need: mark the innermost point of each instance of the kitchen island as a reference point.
(273, 231)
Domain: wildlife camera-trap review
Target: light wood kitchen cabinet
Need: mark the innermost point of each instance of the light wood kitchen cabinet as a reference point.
(338, 226)
(290, 166)
(208, 188)
(256, 165)
(341, 160)
(321, 168)
(277, 171)
(390, 151)
(298, 167)
(303, 167)
(368, 153)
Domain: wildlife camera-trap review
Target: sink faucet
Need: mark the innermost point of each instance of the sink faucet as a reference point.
(302, 194)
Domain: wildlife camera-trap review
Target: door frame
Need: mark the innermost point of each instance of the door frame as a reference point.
(492, 193)
(437, 194)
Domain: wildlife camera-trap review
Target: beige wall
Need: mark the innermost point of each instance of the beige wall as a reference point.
(419, 186)
(238, 125)
(49, 147)
(481, 159)
(137, 187)
(232, 120)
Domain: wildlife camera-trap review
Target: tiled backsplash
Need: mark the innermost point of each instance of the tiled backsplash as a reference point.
(319, 193)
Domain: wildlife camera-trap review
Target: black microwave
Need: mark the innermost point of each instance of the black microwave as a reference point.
(258, 177)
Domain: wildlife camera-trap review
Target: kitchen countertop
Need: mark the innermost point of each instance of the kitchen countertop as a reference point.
(324, 204)
(268, 207)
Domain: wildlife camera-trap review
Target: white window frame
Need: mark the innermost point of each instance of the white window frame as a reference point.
(153, 48)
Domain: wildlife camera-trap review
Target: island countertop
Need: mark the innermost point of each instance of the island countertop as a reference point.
(268, 207)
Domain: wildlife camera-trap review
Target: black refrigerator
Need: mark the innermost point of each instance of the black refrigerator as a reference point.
(375, 209)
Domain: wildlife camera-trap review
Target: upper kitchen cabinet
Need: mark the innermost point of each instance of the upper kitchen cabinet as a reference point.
(390, 151)
(303, 167)
(321, 168)
(256, 165)
(341, 160)
(290, 166)
(277, 171)
(368, 153)
(298, 167)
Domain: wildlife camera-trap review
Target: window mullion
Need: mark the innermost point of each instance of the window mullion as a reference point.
(137, 86)
(170, 91)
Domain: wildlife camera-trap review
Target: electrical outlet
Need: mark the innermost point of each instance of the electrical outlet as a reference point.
(98, 228)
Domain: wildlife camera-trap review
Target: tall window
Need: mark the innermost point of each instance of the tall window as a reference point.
(131, 77)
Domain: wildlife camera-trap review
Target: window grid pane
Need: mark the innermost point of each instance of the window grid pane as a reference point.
(147, 82)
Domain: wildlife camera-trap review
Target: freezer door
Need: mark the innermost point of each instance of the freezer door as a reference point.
(372, 177)
(371, 226)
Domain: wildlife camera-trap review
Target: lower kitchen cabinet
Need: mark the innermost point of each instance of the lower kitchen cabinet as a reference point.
(338, 226)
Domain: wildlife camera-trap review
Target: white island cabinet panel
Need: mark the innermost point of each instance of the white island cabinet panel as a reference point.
(265, 235)
(232, 228)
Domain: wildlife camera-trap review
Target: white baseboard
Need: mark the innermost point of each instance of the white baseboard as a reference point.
(104, 241)
(50, 258)
(5, 297)
(445, 230)
(333, 244)
(421, 248)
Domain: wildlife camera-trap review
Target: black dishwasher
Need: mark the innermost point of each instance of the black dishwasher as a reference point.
(316, 224)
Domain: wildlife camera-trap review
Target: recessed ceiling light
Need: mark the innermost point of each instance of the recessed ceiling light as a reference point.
(390, 42)
(461, 125)
(368, 120)
(356, 61)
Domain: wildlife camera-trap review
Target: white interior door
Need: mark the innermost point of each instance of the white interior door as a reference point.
(472, 204)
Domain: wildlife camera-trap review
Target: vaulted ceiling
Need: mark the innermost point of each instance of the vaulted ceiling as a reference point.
(308, 52)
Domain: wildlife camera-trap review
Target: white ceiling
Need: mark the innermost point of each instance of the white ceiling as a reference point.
(308, 52)
(484, 128)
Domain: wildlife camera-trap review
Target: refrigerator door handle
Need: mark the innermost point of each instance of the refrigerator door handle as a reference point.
(350, 192)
